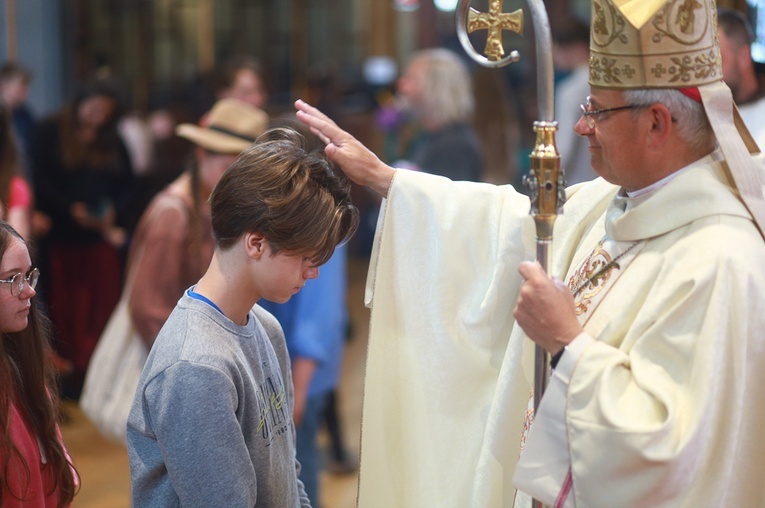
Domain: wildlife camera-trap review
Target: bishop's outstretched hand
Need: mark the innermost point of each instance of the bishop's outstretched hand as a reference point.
(357, 161)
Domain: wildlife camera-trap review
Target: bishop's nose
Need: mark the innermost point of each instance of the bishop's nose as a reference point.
(582, 128)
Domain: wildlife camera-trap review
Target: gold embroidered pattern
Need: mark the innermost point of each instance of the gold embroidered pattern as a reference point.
(609, 25)
(686, 15)
(605, 70)
(593, 275)
(686, 68)
(677, 20)
(589, 280)
(677, 47)
(528, 419)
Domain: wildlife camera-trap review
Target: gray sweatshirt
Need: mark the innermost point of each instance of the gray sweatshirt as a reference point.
(211, 423)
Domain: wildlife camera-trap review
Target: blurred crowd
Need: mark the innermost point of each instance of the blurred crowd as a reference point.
(114, 202)
(83, 186)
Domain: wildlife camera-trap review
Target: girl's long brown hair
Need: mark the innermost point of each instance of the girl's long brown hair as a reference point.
(27, 379)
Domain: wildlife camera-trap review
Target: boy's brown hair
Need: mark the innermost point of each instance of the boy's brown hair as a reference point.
(285, 192)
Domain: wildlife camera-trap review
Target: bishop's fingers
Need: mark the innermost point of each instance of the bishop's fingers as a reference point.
(324, 139)
(306, 108)
(530, 270)
(315, 118)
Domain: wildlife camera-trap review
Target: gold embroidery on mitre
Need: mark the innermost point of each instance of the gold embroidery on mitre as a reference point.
(677, 48)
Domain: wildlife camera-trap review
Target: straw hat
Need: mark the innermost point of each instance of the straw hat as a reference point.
(230, 127)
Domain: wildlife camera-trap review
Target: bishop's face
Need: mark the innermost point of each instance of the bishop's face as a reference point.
(614, 139)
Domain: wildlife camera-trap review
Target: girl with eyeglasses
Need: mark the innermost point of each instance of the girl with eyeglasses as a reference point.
(35, 468)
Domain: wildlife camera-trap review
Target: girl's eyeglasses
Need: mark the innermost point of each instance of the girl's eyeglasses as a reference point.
(19, 280)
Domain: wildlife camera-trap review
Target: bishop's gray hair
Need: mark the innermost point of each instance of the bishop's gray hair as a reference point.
(691, 120)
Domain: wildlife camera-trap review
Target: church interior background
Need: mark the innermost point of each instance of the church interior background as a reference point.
(345, 54)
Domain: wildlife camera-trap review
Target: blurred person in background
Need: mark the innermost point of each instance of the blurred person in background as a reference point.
(176, 225)
(436, 92)
(15, 81)
(15, 194)
(241, 77)
(238, 77)
(82, 175)
(169, 156)
(740, 71)
(571, 55)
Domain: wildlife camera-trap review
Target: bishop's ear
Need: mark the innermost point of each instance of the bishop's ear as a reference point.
(661, 123)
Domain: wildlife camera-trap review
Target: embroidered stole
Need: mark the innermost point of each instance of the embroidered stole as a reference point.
(590, 282)
(596, 275)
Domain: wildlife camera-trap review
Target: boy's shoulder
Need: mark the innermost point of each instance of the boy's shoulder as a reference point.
(195, 330)
(196, 334)
(192, 333)
(267, 320)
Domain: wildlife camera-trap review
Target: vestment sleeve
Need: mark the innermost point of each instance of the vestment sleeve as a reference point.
(442, 283)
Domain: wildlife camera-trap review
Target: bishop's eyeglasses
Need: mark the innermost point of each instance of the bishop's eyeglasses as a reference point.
(591, 116)
(19, 281)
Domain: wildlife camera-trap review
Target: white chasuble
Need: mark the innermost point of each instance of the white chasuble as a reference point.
(665, 384)
(445, 391)
(655, 405)
(442, 283)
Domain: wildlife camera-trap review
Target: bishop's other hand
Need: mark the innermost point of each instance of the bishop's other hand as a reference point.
(545, 309)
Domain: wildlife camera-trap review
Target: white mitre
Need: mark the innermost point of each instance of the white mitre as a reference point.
(674, 44)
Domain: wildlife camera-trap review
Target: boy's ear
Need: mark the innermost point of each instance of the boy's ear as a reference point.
(255, 245)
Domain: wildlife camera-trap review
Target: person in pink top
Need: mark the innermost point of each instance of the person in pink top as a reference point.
(35, 468)
(15, 194)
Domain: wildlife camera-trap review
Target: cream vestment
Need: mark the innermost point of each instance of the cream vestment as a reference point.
(660, 403)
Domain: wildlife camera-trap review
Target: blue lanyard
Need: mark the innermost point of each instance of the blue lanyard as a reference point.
(193, 294)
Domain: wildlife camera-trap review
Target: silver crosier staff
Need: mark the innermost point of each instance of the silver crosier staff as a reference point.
(545, 181)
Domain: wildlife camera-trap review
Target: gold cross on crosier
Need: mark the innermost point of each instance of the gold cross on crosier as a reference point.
(495, 21)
